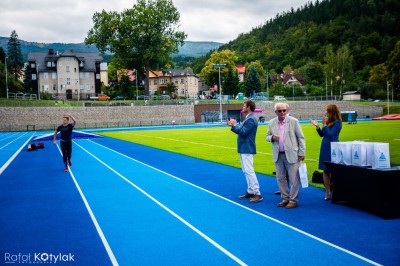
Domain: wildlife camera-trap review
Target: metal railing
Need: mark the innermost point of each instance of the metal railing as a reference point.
(25, 100)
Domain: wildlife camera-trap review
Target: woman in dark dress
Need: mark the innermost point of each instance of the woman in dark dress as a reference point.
(331, 126)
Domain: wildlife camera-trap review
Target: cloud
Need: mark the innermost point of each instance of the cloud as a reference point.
(69, 21)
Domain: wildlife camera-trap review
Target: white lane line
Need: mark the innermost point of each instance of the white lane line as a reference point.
(5, 136)
(94, 220)
(247, 208)
(14, 140)
(211, 241)
(9, 161)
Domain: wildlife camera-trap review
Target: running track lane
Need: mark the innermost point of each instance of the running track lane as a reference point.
(11, 145)
(149, 216)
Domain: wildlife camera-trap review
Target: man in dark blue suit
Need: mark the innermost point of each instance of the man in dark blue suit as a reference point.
(246, 146)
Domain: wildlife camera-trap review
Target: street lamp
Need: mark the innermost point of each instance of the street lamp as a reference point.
(293, 91)
(187, 88)
(220, 96)
(6, 77)
(387, 92)
(267, 86)
(37, 79)
(79, 90)
(326, 86)
(136, 77)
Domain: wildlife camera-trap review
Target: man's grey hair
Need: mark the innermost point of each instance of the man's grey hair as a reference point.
(281, 104)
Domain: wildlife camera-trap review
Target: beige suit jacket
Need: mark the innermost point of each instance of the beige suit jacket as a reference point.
(294, 143)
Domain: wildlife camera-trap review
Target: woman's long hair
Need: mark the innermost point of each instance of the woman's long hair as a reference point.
(333, 114)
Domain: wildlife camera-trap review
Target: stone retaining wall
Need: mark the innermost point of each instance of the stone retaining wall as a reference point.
(316, 109)
(48, 118)
(300, 110)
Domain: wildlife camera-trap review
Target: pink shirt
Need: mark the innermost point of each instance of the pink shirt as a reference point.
(281, 135)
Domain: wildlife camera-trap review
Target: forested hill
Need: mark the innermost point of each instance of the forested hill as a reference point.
(27, 47)
(369, 28)
(192, 49)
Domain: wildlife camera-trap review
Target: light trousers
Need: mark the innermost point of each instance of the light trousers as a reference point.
(246, 161)
(281, 166)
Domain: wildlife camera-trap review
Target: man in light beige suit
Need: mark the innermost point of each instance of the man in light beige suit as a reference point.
(288, 149)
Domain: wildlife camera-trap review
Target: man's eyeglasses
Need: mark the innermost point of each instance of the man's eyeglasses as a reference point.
(280, 111)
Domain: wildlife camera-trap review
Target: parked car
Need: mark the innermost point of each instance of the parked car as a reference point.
(142, 97)
(119, 98)
(103, 97)
(279, 98)
(55, 97)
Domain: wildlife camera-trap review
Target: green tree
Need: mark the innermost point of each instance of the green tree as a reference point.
(314, 90)
(210, 73)
(142, 37)
(125, 87)
(314, 74)
(113, 68)
(28, 79)
(379, 74)
(376, 87)
(393, 65)
(14, 62)
(172, 89)
(2, 72)
(278, 88)
(231, 82)
(253, 82)
(260, 69)
(2, 55)
(338, 68)
(369, 30)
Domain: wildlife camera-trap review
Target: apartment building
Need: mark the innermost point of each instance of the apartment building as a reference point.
(69, 75)
(186, 82)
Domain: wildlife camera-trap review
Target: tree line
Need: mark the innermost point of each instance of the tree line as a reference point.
(335, 45)
(345, 45)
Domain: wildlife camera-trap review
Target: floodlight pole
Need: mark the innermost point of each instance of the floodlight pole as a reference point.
(220, 95)
(387, 92)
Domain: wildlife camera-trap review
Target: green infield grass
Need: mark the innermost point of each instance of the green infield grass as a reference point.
(218, 144)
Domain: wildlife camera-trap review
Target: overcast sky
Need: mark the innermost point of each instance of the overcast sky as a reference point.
(68, 21)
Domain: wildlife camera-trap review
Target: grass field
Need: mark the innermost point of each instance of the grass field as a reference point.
(218, 144)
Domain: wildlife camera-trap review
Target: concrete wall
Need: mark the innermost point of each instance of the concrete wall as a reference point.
(48, 118)
(316, 109)
(300, 110)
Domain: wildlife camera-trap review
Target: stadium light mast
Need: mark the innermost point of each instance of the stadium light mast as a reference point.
(387, 92)
(219, 66)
